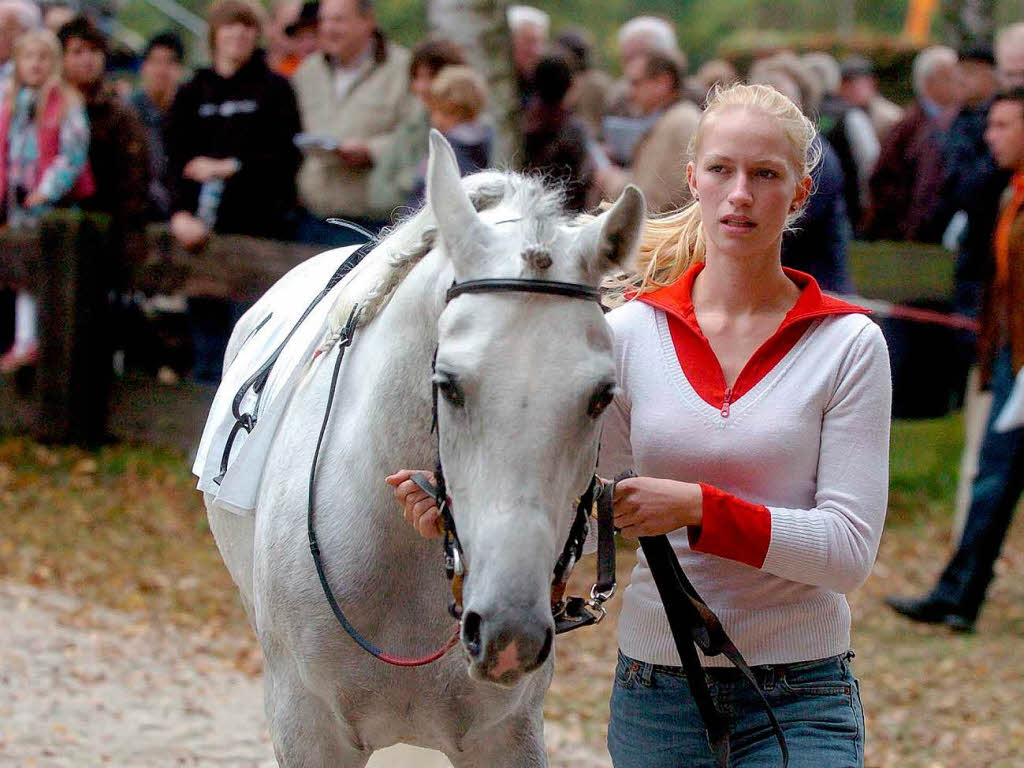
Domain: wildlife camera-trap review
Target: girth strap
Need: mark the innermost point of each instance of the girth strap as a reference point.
(694, 624)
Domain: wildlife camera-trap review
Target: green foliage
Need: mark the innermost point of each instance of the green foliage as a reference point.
(901, 271)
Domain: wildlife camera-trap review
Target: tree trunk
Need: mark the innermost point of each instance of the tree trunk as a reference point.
(969, 22)
(481, 28)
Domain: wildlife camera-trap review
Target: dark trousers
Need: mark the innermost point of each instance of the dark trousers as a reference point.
(994, 496)
(210, 323)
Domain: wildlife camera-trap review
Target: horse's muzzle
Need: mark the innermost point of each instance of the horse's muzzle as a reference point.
(504, 649)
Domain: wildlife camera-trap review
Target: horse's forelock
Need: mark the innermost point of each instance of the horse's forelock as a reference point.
(540, 204)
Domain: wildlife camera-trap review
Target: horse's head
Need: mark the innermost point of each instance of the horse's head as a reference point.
(523, 379)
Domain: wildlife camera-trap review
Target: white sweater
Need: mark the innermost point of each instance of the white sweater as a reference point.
(795, 467)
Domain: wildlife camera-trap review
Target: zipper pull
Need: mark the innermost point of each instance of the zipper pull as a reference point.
(725, 403)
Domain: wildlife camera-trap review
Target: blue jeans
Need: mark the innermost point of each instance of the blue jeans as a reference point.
(655, 722)
(994, 495)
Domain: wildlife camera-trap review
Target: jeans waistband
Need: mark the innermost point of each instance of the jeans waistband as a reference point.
(765, 674)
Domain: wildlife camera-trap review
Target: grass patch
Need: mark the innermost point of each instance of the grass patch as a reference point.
(122, 527)
(901, 271)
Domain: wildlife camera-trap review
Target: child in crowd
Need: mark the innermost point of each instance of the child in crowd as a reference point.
(458, 97)
(44, 144)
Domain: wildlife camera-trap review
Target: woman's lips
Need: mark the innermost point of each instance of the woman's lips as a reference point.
(737, 223)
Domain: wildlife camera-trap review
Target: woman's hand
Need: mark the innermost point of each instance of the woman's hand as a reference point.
(418, 508)
(649, 506)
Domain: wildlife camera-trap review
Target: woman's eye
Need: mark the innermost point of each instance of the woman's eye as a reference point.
(768, 173)
(450, 391)
(716, 168)
(600, 400)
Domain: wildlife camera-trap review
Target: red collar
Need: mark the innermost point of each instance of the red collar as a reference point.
(698, 360)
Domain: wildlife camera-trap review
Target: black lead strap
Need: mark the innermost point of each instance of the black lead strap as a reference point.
(694, 624)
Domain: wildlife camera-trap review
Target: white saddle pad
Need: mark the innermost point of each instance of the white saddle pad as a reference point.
(274, 316)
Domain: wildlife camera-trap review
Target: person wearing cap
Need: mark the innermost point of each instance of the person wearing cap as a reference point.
(160, 75)
(850, 132)
(859, 87)
(905, 188)
(302, 36)
(353, 94)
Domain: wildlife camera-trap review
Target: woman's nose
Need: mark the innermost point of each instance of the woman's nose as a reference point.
(740, 192)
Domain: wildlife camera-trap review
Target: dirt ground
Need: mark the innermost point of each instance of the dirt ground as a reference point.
(82, 686)
(122, 643)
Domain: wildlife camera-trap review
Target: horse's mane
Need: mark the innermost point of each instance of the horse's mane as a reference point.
(405, 245)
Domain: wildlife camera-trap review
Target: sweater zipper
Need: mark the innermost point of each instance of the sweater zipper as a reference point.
(725, 402)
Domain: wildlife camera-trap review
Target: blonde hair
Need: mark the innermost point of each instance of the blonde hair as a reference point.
(460, 91)
(674, 242)
(49, 41)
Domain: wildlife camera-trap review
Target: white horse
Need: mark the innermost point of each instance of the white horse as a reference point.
(519, 376)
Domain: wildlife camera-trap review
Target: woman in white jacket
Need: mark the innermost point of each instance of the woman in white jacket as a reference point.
(755, 412)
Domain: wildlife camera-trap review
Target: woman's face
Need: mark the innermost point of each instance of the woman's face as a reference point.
(35, 65)
(745, 180)
(236, 41)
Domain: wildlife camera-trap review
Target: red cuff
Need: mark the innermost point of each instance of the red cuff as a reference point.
(732, 528)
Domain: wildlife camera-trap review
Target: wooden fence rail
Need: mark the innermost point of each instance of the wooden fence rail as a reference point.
(67, 265)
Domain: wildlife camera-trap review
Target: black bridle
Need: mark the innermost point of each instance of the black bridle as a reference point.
(569, 613)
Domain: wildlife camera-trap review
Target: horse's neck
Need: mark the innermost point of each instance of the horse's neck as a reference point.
(393, 363)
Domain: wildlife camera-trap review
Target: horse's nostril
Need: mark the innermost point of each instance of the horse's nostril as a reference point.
(471, 633)
(545, 649)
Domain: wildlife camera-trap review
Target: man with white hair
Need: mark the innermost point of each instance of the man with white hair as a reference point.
(1010, 56)
(638, 37)
(907, 183)
(16, 17)
(644, 34)
(530, 28)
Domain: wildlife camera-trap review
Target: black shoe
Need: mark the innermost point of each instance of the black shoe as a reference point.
(924, 609)
(959, 623)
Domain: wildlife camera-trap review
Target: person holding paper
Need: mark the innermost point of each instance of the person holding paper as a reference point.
(960, 592)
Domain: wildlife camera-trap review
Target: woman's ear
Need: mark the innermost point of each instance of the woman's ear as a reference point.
(690, 181)
(803, 191)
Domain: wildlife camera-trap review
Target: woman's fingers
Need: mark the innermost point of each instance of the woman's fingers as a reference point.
(429, 524)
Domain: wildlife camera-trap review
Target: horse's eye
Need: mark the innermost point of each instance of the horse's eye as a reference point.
(449, 389)
(600, 400)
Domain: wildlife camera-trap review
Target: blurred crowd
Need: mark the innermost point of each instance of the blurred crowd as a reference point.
(311, 112)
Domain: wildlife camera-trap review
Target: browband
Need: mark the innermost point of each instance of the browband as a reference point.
(518, 285)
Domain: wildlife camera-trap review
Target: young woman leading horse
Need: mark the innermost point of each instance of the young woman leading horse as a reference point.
(755, 411)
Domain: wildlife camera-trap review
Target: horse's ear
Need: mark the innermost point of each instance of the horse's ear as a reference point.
(611, 240)
(455, 215)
